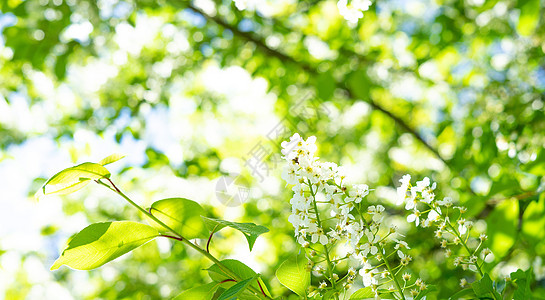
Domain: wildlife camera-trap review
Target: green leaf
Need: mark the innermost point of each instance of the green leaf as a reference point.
(386, 293)
(199, 293)
(325, 85)
(240, 269)
(484, 287)
(72, 179)
(529, 17)
(358, 83)
(534, 217)
(294, 275)
(500, 285)
(537, 166)
(364, 293)
(237, 267)
(502, 227)
(100, 243)
(523, 280)
(465, 293)
(236, 289)
(329, 294)
(250, 230)
(264, 287)
(111, 159)
(180, 214)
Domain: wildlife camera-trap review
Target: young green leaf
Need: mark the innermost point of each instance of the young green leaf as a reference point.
(523, 280)
(236, 289)
(463, 294)
(100, 243)
(237, 267)
(240, 269)
(205, 292)
(180, 214)
(500, 285)
(363, 293)
(294, 275)
(72, 179)
(502, 226)
(250, 230)
(111, 159)
(484, 287)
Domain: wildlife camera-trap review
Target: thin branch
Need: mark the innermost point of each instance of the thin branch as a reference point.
(228, 280)
(178, 236)
(258, 41)
(261, 288)
(113, 185)
(172, 237)
(210, 239)
(490, 204)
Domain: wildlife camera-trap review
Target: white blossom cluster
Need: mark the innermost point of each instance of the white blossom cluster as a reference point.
(539, 268)
(326, 211)
(353, 10)
(426, 210)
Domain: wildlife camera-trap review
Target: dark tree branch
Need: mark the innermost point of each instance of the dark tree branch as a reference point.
(492, 203)
(260, 44)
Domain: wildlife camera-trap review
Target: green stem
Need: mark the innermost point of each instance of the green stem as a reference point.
(329, 264)
(384, 259)
(394, 277)
(180, 237)
(465, 246)
(476, 264)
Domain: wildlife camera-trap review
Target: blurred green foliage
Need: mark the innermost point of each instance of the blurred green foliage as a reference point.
(453, 90)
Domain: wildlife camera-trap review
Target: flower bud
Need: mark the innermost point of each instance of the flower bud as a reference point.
(323, 285)
(463, 283)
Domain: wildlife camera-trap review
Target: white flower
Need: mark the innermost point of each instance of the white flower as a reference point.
(323, 285)
(402, 190)
(463, 225)
(411, 199)
(401, 244)
(370, 247)
(426, 223)
(289, 175)
(346, 209)
(368, 275)
(421, 185)
(289, 147)
(319, 235)
(539, 269)
(433, 215)
(353, 11)
(357, 193)
(428, 196)
(376, 212)
(334, 235)
(414, 217)
(446, 202)
(296, 221)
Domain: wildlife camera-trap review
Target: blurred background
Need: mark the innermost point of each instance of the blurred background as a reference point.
(191, 91)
